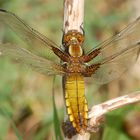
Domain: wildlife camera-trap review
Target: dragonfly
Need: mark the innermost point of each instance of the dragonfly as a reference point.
(104, 63)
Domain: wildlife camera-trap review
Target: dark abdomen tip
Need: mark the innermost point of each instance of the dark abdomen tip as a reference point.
(68, 129)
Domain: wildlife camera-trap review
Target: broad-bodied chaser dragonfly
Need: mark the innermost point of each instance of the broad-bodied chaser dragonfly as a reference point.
(102, 62)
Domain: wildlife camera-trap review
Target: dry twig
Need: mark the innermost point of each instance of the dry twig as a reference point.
(98, 112)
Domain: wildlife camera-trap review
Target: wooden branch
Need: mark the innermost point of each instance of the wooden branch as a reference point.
(98, 112)
(73, 14)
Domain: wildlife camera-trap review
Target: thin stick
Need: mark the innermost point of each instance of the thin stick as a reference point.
(73, 15)
(98, 112)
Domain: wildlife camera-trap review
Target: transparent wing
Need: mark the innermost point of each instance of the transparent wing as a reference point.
(118, 53)
(38, 43)
(35, 62)
(114, 66)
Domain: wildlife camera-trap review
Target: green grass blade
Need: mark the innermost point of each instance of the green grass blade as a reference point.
(57, 129)
(2, 110)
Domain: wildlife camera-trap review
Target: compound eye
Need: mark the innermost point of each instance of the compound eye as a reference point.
(67, 38)
(80, 38)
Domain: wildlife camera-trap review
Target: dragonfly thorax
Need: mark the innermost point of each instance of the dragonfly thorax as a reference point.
(75, 50)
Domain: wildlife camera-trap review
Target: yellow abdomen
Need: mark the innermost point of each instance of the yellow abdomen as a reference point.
(76, 103)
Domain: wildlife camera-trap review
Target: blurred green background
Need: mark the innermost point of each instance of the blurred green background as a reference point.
(26, 105)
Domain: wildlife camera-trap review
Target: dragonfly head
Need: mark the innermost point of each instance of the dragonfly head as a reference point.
(72, 41)
(73, 37)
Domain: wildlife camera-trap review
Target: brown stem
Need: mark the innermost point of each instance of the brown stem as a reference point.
(73, 15)
(98, 112)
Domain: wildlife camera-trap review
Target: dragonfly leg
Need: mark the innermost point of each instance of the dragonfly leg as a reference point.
(91, 55)
(91, 69)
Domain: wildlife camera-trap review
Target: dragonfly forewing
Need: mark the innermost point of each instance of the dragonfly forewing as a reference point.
(118, 53)
(37, 43)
